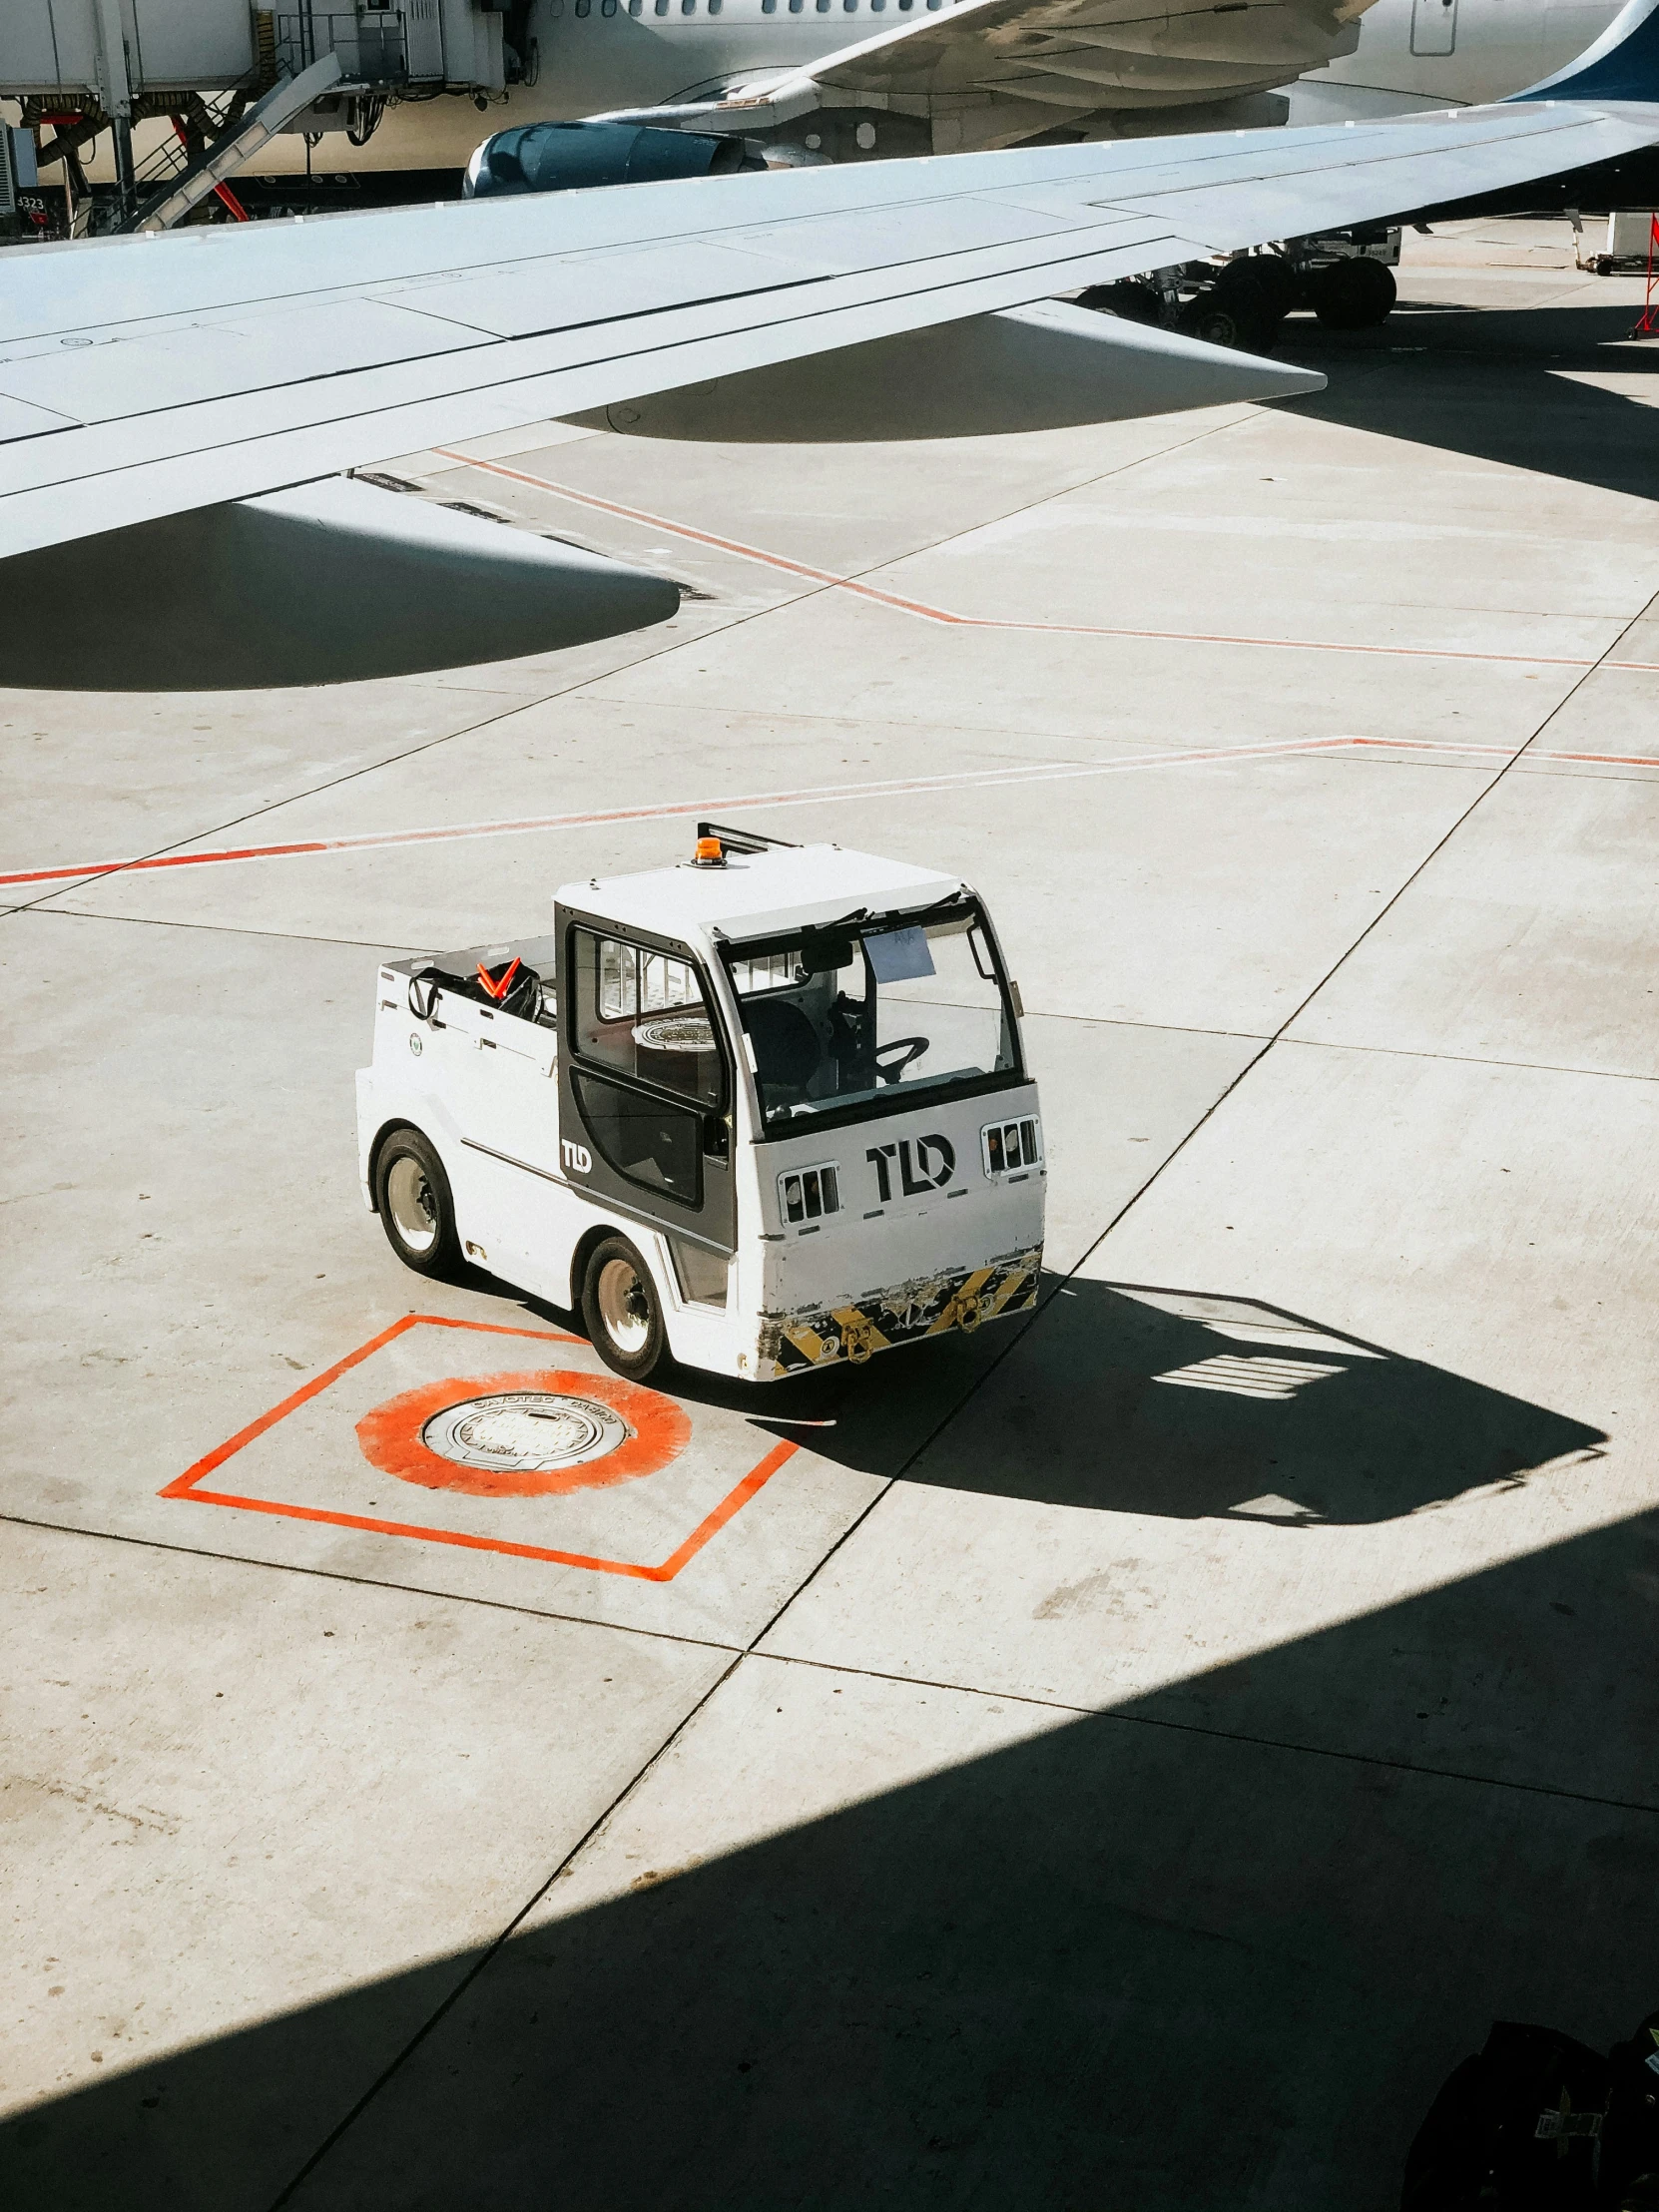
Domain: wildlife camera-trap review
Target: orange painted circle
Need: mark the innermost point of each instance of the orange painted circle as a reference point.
(391, 1440)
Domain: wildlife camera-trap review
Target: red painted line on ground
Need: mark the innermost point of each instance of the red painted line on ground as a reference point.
(184, 1485)
(1048, 772)
(928, 613)
(721, 1513)
(181, 1485)
(812, 794)
(1522, 755)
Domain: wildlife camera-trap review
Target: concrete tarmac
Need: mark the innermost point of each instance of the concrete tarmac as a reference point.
(1123, 1759)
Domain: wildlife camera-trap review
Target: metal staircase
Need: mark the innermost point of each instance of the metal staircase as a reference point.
(286, 100)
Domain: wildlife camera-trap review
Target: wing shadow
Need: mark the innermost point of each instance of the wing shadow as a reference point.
(1496, 384)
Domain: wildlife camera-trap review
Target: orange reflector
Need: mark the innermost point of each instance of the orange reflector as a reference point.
(708, 852)
(497, 989)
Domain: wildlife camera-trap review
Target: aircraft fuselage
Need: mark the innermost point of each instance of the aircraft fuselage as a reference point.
(1420, 54)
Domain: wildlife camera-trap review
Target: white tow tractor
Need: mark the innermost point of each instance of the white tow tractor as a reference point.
(760, 1112)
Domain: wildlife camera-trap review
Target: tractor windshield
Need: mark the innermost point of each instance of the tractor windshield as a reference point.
(866, 1014)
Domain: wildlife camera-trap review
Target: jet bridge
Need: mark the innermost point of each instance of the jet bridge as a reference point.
(79, 67)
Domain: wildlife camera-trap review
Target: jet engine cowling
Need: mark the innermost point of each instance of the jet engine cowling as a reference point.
(573, 157)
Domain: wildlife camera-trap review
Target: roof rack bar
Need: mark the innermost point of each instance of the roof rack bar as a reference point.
(746, 841)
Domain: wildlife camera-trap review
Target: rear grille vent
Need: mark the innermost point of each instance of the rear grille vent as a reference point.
(807, 1194)
(1011, 1144)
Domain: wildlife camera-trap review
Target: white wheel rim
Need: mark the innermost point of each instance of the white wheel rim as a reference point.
(623, 1306)
(409, 1200)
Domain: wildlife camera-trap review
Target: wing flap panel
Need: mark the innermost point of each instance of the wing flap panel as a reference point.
(159, 462)
(571, 292)
(1194, 51)
(21, 418)
(187, 365)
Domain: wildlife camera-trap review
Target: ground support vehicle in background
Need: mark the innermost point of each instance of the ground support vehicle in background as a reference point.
(760, 1113)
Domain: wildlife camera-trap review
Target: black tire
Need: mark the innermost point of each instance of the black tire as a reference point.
(621, 1310)
(1351, 295)
(1270, 280)
(417, 1212)
(1130, 302)
(1236, 319)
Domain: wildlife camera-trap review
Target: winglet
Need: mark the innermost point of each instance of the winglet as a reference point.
(1623, 64)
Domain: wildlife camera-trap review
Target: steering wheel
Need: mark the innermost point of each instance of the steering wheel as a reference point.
(913, 1048)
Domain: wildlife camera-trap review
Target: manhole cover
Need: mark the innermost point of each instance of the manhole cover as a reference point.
(529, 1431)
(524, 1432)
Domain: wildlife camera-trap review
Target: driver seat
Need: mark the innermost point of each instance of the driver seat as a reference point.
(787, 1048)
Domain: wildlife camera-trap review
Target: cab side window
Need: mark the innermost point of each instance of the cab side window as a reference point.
(642, 1013)
(641, 1017)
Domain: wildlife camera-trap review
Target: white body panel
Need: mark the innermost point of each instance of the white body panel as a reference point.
(926, 1237)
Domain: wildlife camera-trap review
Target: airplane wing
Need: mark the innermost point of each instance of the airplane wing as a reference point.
(161, 376)
(144, 376)
(988, 73)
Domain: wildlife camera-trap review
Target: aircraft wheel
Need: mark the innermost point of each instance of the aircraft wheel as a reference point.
(1236, 317)
(1268, 279)
(1351, 295)
(417, 1210)
(620, 1308)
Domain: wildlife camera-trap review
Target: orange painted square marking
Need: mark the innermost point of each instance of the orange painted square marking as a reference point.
(188, 1485)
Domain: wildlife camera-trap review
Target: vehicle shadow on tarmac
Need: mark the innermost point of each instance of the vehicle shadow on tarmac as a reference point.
(1169, 1962)
(1135, 1399)
(1498, 385)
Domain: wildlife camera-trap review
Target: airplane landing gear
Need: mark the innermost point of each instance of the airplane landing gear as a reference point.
(1243, 301)
(1130, 302)
(1245, 306)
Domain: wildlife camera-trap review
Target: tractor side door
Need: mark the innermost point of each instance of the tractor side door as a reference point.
(644, 1082)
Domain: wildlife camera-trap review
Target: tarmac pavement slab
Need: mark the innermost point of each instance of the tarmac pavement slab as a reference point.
(1205, 674)
(1376, 1332)
(828, 506)
(1608, 726)
(226, 1784)
(862, 1940)
(1181, 1722)
(1264, 510)
(1532, 936)
(99, 776)
(1116, 882)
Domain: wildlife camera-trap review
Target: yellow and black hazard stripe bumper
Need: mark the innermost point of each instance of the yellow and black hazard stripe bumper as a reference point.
(960, 1298)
